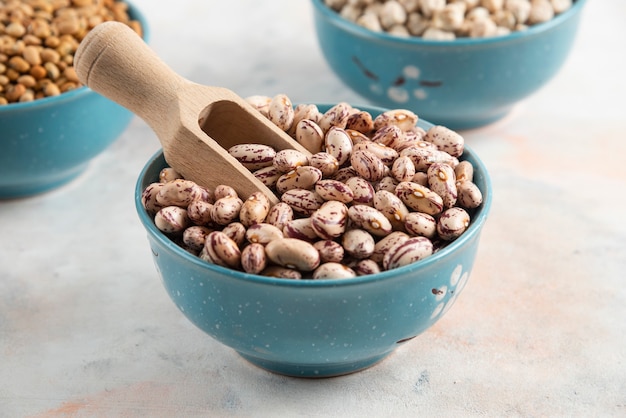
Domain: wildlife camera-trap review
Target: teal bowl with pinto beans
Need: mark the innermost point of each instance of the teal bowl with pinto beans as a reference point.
(462, 83)
(47, 142)
(315, 327)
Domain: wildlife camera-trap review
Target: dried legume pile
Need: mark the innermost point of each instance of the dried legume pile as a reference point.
(376, 193)
(448, 19)
(38, 39)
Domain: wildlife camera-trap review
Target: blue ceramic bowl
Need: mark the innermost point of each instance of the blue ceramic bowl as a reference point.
(315, 328)
(48, 142)
(461, 84)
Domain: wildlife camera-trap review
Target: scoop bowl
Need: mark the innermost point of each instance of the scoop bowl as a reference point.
(314, 328)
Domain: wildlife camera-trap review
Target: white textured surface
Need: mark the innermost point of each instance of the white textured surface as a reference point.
(86, 328)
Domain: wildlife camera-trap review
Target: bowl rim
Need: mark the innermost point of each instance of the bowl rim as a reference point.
(81, 91)
(360, 31)
(473, 230)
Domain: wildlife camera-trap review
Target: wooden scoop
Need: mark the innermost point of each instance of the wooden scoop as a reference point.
(195, 124)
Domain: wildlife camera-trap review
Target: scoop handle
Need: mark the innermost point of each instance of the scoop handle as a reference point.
(114, 61)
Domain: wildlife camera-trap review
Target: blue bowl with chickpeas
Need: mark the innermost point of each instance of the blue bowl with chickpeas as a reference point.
(321, 321)
(462, 64)
(51, 127)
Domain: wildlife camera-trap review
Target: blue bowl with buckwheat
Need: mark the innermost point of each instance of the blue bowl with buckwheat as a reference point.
(51, 127)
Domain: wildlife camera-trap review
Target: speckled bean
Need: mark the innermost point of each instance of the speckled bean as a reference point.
(386, 183)
(332, 270)
(365, 267)
(330, 220)
(392, 207)
(419, 198)
(370, 219)
(281, 273)
(420, 177)
(268, 175)
(281, 112)
(300, 228)
(357, 137)
(384, 244)
(338, 144)
(329, 189)
(452, 223)
(235, 231)
(221, 250)
(279, 215)
(224, 190)
(254, 209)
(402, 118)
(336, 116)
(199, 212)
(386, 154)
(171, 219)
(422, 157)
(407, 252)
(441, 180)
(307, 111)
(195, 236)
(358, 243)
(344, 174)
(362, 190)
(469, 195)
(287, 160)
(226, 209)
(253, 156)
(310, 135)
(408, 143)
(253, 258)
(464, 171)
(324, 162)
(361, 122)
(262, 233)
(304, 112)
(420, 224)
(302, 201)
(205, 194)
(148, 198)
(330, 251)
(445, 139)
(293, 253)
(303, 177)
(260, 103)
(391, 136)
(403, 169)
(178, 192)
(367, 165)
(169, 174)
